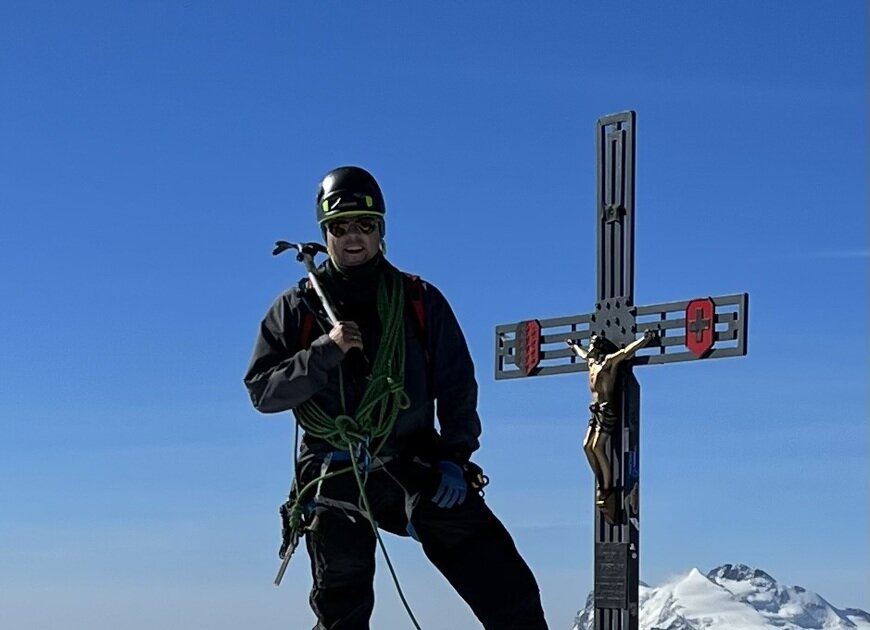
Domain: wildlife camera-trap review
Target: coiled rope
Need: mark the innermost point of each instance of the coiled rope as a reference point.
(385, 393)
(365, 433)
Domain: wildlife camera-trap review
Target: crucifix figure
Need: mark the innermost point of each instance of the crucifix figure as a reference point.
(603, 359)
(689, 330)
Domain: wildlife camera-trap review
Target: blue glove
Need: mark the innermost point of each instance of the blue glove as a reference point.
(453, 488)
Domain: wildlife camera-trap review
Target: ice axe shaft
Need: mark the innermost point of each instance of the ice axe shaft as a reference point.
(305, 254)
(291, 548)
(283, 568)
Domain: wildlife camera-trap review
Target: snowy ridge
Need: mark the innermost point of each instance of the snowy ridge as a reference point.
(734, 597)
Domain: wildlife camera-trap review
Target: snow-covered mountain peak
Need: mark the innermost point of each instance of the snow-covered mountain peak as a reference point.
(734, 597)
(740, 573)
(792, 604)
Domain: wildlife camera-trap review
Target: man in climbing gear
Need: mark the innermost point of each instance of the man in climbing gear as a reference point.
(603, 359)
(366, 390)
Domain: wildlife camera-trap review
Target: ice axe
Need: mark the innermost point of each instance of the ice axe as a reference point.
(305, 253)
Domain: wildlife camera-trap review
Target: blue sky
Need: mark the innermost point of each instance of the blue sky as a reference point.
(152, 153)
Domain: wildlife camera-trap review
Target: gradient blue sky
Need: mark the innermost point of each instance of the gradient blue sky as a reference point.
(152, 152)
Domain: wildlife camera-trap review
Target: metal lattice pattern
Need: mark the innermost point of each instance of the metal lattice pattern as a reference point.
(668, 318)
(615, 204)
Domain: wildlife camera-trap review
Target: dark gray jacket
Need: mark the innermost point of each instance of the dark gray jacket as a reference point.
(283, 375)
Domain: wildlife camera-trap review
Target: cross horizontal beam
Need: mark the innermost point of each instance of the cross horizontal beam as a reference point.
(669, 319)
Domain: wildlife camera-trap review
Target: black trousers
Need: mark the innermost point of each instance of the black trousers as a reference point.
(466, 543)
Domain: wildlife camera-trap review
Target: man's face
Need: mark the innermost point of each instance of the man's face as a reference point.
(353, 241)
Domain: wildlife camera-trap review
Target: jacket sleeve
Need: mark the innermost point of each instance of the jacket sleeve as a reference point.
(281, 375)
(454, 385)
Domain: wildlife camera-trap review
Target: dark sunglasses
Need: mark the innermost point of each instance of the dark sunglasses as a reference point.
(340, 227)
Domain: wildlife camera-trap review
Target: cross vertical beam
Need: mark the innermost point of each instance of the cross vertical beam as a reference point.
(617, 546)
(615, 186)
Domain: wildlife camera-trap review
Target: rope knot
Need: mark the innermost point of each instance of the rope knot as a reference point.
(347, 428)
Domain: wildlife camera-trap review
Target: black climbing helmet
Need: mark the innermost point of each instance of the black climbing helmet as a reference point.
(348, 191)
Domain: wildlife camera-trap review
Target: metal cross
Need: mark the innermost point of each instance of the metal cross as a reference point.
(706, 327)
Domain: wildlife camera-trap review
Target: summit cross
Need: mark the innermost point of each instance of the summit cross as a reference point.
(689, 330)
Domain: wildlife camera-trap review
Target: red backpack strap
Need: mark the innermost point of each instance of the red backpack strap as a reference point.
(305, 337)
(414, 291)
(306, 326)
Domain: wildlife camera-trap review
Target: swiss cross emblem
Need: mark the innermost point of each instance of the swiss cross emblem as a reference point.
(700, 327)
(528, 349)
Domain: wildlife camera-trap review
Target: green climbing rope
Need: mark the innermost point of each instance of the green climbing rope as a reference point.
(371, 425)
(385, 394)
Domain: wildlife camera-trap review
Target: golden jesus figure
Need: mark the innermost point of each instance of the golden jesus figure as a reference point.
(603, 359)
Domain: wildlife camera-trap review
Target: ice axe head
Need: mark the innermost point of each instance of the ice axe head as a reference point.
(304, 250)
(305, 254)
